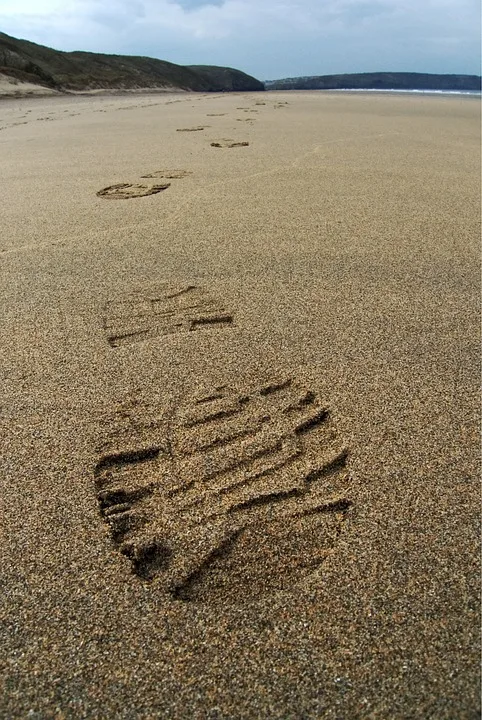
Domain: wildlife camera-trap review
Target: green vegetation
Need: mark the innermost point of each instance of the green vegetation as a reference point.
(77, 71)
(225, 79)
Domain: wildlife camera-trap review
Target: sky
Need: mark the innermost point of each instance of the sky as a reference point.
(269, 39)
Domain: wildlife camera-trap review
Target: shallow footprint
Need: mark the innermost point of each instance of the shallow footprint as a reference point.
(229, 144)
(170, 174)
(126, 191)
(163, 310)
(193, 129)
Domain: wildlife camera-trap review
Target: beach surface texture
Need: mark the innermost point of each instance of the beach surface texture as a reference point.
(240, 406)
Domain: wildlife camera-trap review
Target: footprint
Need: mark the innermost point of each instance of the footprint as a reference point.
(229, 144)
(126, 191)
(234, 492)
(192, 129)
(215, 114)
(162, 311)
(169, 174)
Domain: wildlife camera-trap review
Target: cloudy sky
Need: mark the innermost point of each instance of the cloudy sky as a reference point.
(266, 38)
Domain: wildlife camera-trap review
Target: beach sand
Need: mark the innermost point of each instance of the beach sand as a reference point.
(240, 414)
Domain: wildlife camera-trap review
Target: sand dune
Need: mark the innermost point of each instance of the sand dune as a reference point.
(10, 86)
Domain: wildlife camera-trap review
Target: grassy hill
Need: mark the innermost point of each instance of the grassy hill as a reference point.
(226, 79)
(77, 71)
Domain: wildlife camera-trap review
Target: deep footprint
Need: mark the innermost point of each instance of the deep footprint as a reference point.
(238, 491)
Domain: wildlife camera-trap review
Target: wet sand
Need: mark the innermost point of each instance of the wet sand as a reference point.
(240, 411)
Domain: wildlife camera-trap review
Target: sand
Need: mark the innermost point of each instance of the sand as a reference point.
(12, 87)
(240, 416)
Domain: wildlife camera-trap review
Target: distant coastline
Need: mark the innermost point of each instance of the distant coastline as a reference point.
(382, 81)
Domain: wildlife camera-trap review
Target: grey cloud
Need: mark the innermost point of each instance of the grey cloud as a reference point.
(190, 5)
(267, 38)
(114, 21)
(356, 11)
